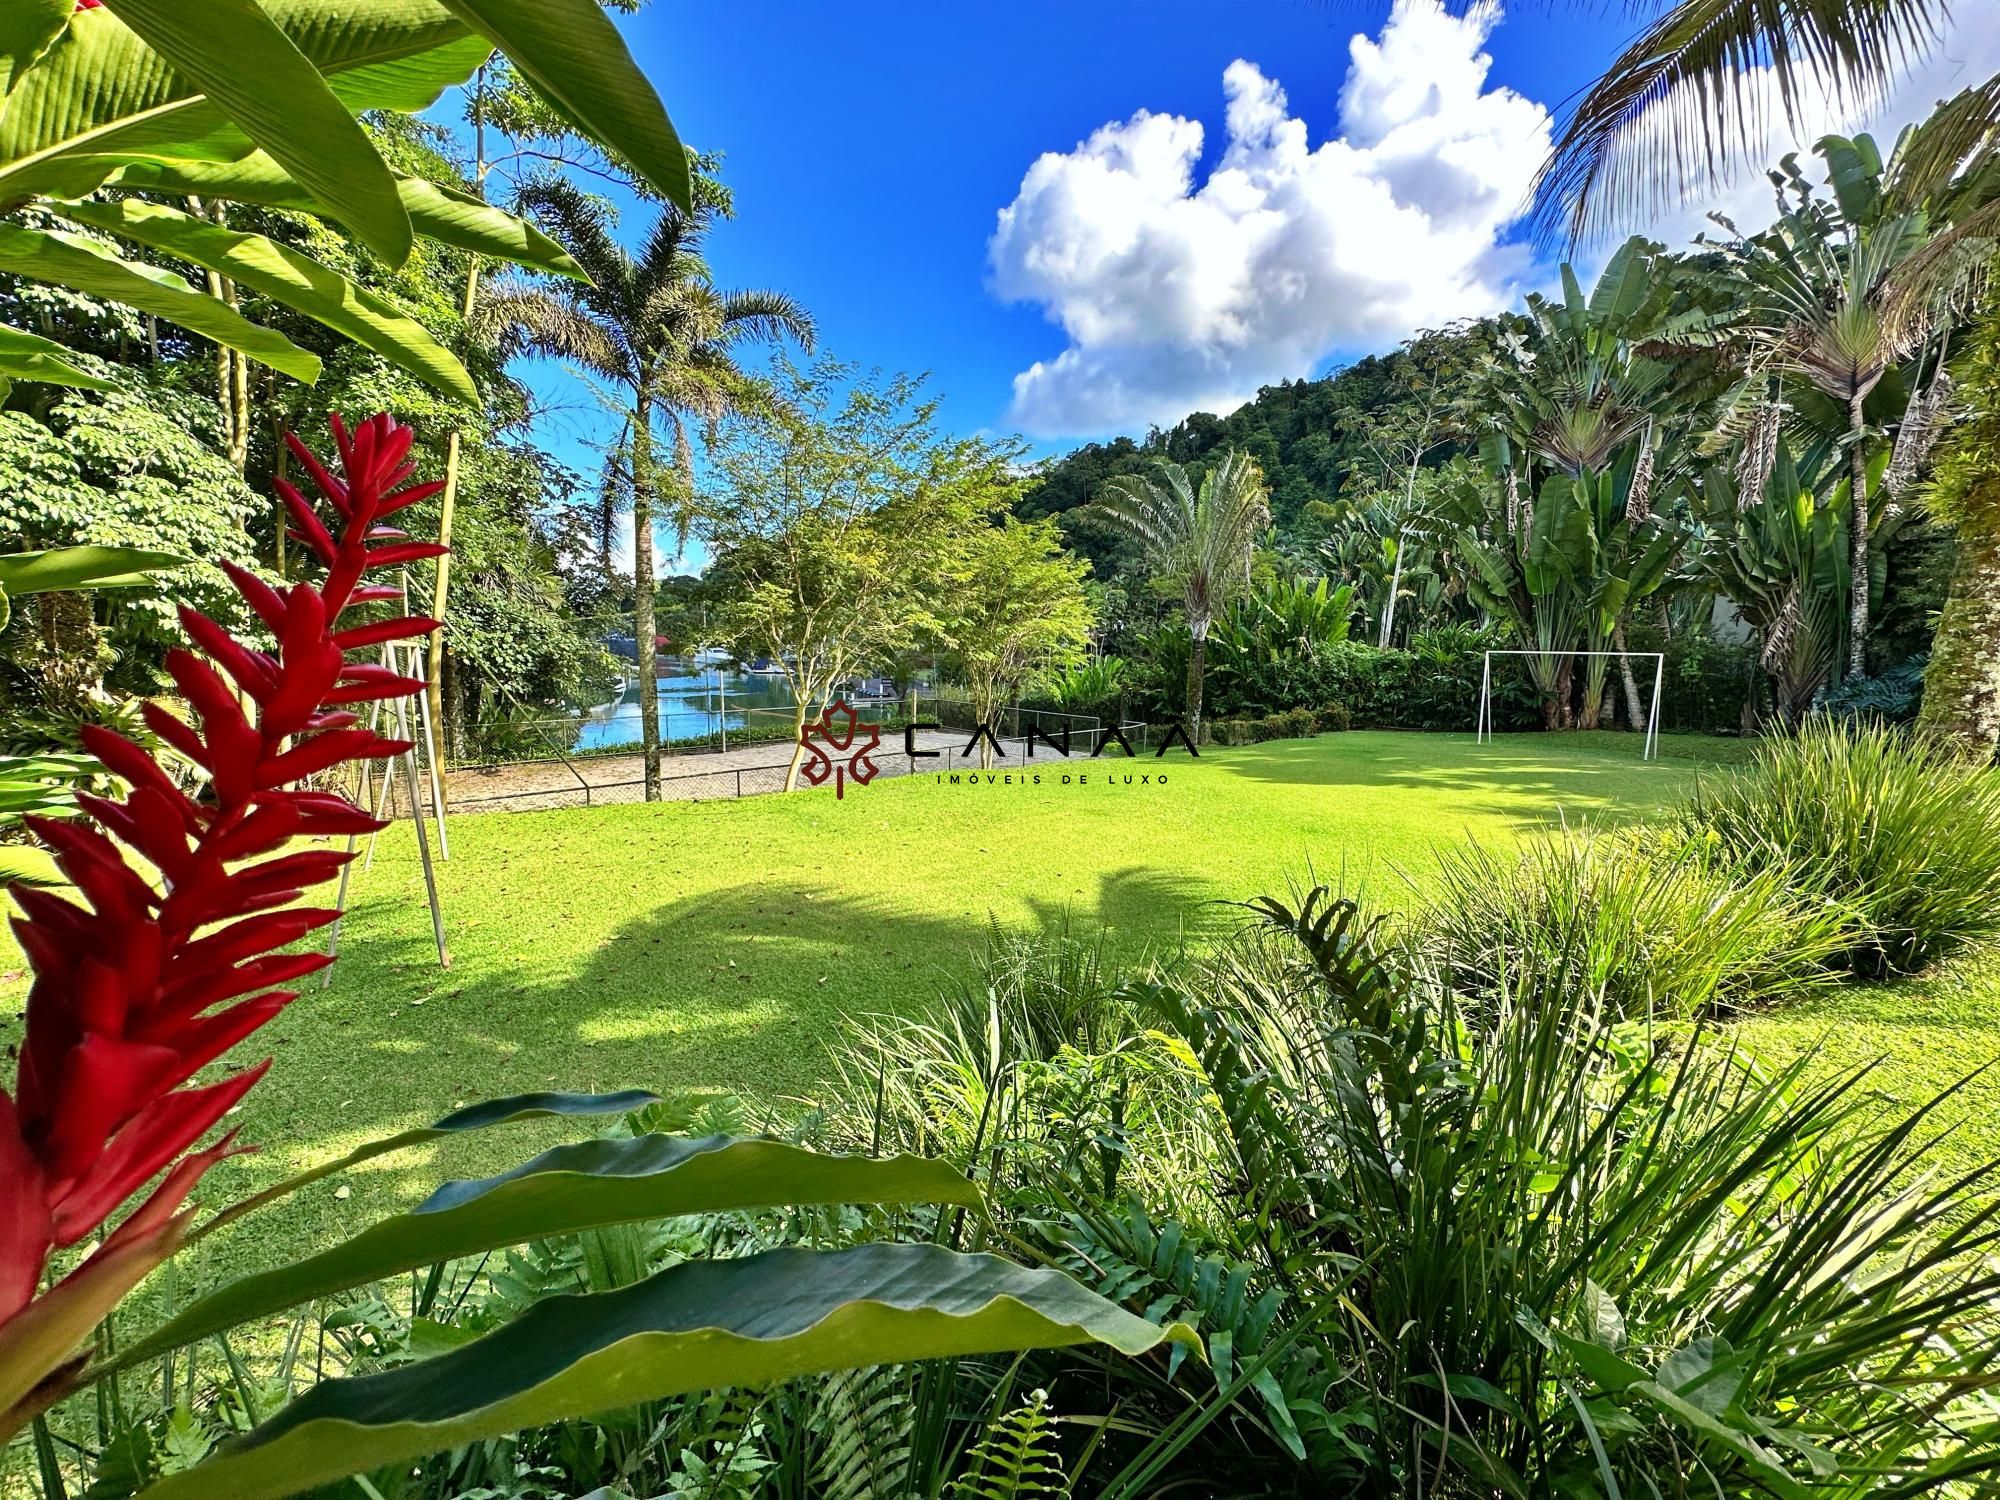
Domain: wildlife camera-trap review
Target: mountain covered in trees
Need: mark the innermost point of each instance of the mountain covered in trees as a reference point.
(1318, 442)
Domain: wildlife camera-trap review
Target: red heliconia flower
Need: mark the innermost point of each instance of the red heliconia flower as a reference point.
(155, 977)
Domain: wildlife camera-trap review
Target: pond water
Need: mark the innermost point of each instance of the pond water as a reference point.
(697, 701)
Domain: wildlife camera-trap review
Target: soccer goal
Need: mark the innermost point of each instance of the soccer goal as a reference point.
(1482, 729)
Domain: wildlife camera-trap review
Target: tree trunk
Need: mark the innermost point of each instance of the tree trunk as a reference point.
(642, 597)
(1962, 684)
(1197, 665)
(1857, 527)
(798, 744)
(448, 497)
(1556, 712)
(279, 519)
(1625, 676)
(1395, 584)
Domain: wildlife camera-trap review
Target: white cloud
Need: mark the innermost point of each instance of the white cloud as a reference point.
(1177, 296)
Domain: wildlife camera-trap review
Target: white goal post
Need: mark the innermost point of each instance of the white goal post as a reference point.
(1482, 729)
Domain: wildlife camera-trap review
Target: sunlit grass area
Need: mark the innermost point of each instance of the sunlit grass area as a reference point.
(717, 946)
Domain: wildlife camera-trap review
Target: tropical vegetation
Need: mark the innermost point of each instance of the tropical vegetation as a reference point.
(1486, 1160)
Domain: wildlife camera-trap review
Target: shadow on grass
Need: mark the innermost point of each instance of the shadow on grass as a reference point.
(743, 991)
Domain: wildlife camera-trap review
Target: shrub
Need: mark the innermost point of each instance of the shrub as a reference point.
(1706, 683)
(1094, 687)
(1641, 924)
(1333, 718)
(1892, 697)
(1294, 723)
(1433, 685)
(1903, 835)
(1506, 1249)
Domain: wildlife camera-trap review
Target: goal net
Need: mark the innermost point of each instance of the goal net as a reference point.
(1650, 746)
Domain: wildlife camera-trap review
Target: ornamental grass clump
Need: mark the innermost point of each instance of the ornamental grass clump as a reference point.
(1638, 921)
(159, 975)
(1471, 1246)
(1900, 832)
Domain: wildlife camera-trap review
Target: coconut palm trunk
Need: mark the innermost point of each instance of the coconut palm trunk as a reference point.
(642, 594)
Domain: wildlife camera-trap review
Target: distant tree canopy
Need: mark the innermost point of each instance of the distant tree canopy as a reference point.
(1315, 441)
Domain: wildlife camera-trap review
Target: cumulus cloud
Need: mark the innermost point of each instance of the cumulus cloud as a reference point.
(1177, 292)
(1177, 295)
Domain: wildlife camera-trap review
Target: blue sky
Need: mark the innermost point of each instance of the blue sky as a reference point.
(872, 145)
(1200, 195)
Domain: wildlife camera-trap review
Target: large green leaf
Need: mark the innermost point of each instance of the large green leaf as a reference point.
(695, 1326)
(582, 1186)
(441, 213)
(27, 865)
(288, 277)
(575, 57)
(26, 29)
(85, 267)
(63, 568)
(1624, 285)
(100, 94)
(482, 1116)
(240, 59)
(28, 356)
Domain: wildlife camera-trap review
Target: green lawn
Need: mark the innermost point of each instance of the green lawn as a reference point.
(695, 947)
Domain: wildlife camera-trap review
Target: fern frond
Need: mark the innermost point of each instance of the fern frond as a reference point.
(862, 1418)
(1017, 1458)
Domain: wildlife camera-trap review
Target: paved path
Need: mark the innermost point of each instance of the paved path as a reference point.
(597, 780)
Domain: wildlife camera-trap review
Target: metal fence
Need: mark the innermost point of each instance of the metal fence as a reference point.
(565, 778)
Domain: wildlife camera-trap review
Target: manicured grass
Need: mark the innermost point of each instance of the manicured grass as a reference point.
(717, 947)
(1923, 1035)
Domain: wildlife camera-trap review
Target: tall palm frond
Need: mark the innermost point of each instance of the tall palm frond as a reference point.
(582, 223)
(1680, 110)
(526, 319)
(1202, 539)
(767, 317)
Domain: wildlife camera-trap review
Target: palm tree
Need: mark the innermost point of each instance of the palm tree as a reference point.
(1827, 295)
(1673, 116)
(1585, 416)
(655, 326)
(1200, 539)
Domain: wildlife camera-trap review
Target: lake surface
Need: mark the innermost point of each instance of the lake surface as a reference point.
(698, 701)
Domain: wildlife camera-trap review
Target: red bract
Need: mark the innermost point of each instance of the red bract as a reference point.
(153, 978)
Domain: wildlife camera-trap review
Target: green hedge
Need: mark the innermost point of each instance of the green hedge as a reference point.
(1434, 684)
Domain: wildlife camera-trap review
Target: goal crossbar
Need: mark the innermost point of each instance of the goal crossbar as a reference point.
(1482, 728)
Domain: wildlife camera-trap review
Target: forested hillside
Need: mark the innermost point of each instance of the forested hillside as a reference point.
(1338, 438)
